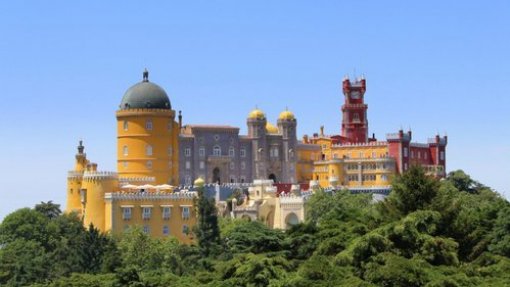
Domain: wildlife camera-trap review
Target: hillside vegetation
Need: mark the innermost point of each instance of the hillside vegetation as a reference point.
(453, 232)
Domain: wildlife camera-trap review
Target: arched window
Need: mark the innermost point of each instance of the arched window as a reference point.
(217, 150)
(125, 150)
(125, 125)
(148, 150)
(149, 164)
(231, 152)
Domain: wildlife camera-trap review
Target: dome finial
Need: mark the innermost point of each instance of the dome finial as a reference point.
(145, 75)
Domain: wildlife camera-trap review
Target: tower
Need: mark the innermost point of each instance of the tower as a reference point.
(74, 182)
(257, 132)
(147, 134)
(354, 111)
(287, 126)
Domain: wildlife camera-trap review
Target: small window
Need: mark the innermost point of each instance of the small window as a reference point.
(170, 125)
(384, 177)
(148, 125)
(125, 164)
(243, 165)
(202, 164)
(217, 151)
(441, 155)
(148, 164)
(126, 125)
(243, 179)
(126, 213)
(405, 166)
(242, 152)
(185, 229)
(201, 151)
(146, 229)
(125, 150)
(232, 165)
(216, 137)
(185, 212)
(148, 150)
(374, 154)
(170, 150)
(335, 155)
(166, 230)
(188, 164)
(361, 155)
(187, 181)
(146, 213)
(166, 212)
(231, 152)
(187, 151)
(405, 152)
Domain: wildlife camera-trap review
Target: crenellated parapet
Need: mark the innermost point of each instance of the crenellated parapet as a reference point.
(122, 196)
(74, 175)
(99, 175)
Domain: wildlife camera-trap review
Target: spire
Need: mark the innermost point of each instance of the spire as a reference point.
(80, 147)
(145, 75)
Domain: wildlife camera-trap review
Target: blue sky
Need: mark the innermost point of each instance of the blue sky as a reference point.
(432, 66)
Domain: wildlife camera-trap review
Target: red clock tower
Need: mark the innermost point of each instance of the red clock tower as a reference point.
(354, 111)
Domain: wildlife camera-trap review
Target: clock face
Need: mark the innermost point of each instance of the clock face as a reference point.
(355, 95)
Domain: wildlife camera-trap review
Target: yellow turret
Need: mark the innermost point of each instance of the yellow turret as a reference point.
(256, 114)
(74, 182)
(147, 134)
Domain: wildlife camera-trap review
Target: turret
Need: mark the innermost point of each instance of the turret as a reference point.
(257, 122)
(74, 181)
(354, 111)
(95, 185)
(287, 125)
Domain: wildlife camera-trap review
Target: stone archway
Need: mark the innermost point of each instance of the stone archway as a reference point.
(216, 175)
(291, 219)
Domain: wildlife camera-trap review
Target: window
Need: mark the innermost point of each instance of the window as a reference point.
(169, 125)
(242, 152)
(170, 164)
(148, 164)
(148, 125)
(335, 155)
(146, 213)
(232, 165)
(216, 137)
(405, 152)
(146, 229)
(273, 152)
(405, 166)
(201, 151)
(185, 229)
(374, 155)
(185, 212)
(231, 152)
(243, 165)
(355, 117)
(187, 151)
(166, 230)
(170, 150)
(232, 179)
(384, 177)
(202, 164)
(412, 154)
(360, 154)
(125, 125)
(243, 179)
(188, 164)
(441, 155)
(126, 213)
(166, 212)
(125, 164)
(217, 151)
(125, 150)
(187, 181)
(148, 150)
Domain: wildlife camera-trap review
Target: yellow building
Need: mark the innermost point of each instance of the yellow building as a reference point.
(140, 193)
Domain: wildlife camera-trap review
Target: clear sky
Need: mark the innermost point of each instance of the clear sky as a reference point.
(432, 66)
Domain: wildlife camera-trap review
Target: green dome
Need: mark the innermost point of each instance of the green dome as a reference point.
(145, 95)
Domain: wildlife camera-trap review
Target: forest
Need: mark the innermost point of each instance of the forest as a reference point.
(427, 232)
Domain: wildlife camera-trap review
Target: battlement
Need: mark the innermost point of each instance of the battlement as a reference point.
(117, 196)
(291, 199)
(126, 180)
(72, 174)
(100, 175)
(367, 144)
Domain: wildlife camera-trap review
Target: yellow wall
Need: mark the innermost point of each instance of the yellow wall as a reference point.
(96, 185)
(305, 163)
(156, 221)
(163, 138)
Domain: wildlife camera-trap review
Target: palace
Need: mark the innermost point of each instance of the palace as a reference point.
(158, 159)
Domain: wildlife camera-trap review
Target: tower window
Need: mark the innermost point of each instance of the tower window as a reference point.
(243, 165)
(146, 213)
(441, 155)
(231, 152)
(202, 164)
(201, 151)
(185, 212)
(146, 229)
(148, 164)
(405, 152)
(125, 150)
(166, 230)
(242, 152)
(217, 151)
(125, 164)
(187, 151)
(355, 117)
(188, 164)
(126, 213)
(125, 125)
(232, 165)
(148, 150)
(148, 125)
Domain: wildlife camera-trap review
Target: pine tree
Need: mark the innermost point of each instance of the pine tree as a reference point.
(207, 229)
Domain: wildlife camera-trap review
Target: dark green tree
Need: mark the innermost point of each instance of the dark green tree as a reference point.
(49, 209)
(207, 230)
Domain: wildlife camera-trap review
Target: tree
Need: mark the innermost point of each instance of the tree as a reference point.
(48, 209)
(207, 229)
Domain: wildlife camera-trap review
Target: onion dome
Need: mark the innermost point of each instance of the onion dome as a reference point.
(271, 129)
(199, 182)
(256, 114)
(145, 95)
(286, 115)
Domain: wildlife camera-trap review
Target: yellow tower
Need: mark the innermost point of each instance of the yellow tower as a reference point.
(74, 182)
(147, 134)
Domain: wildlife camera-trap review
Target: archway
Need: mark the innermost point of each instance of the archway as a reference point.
(273, 177)
(291, 219)
(216, 178)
